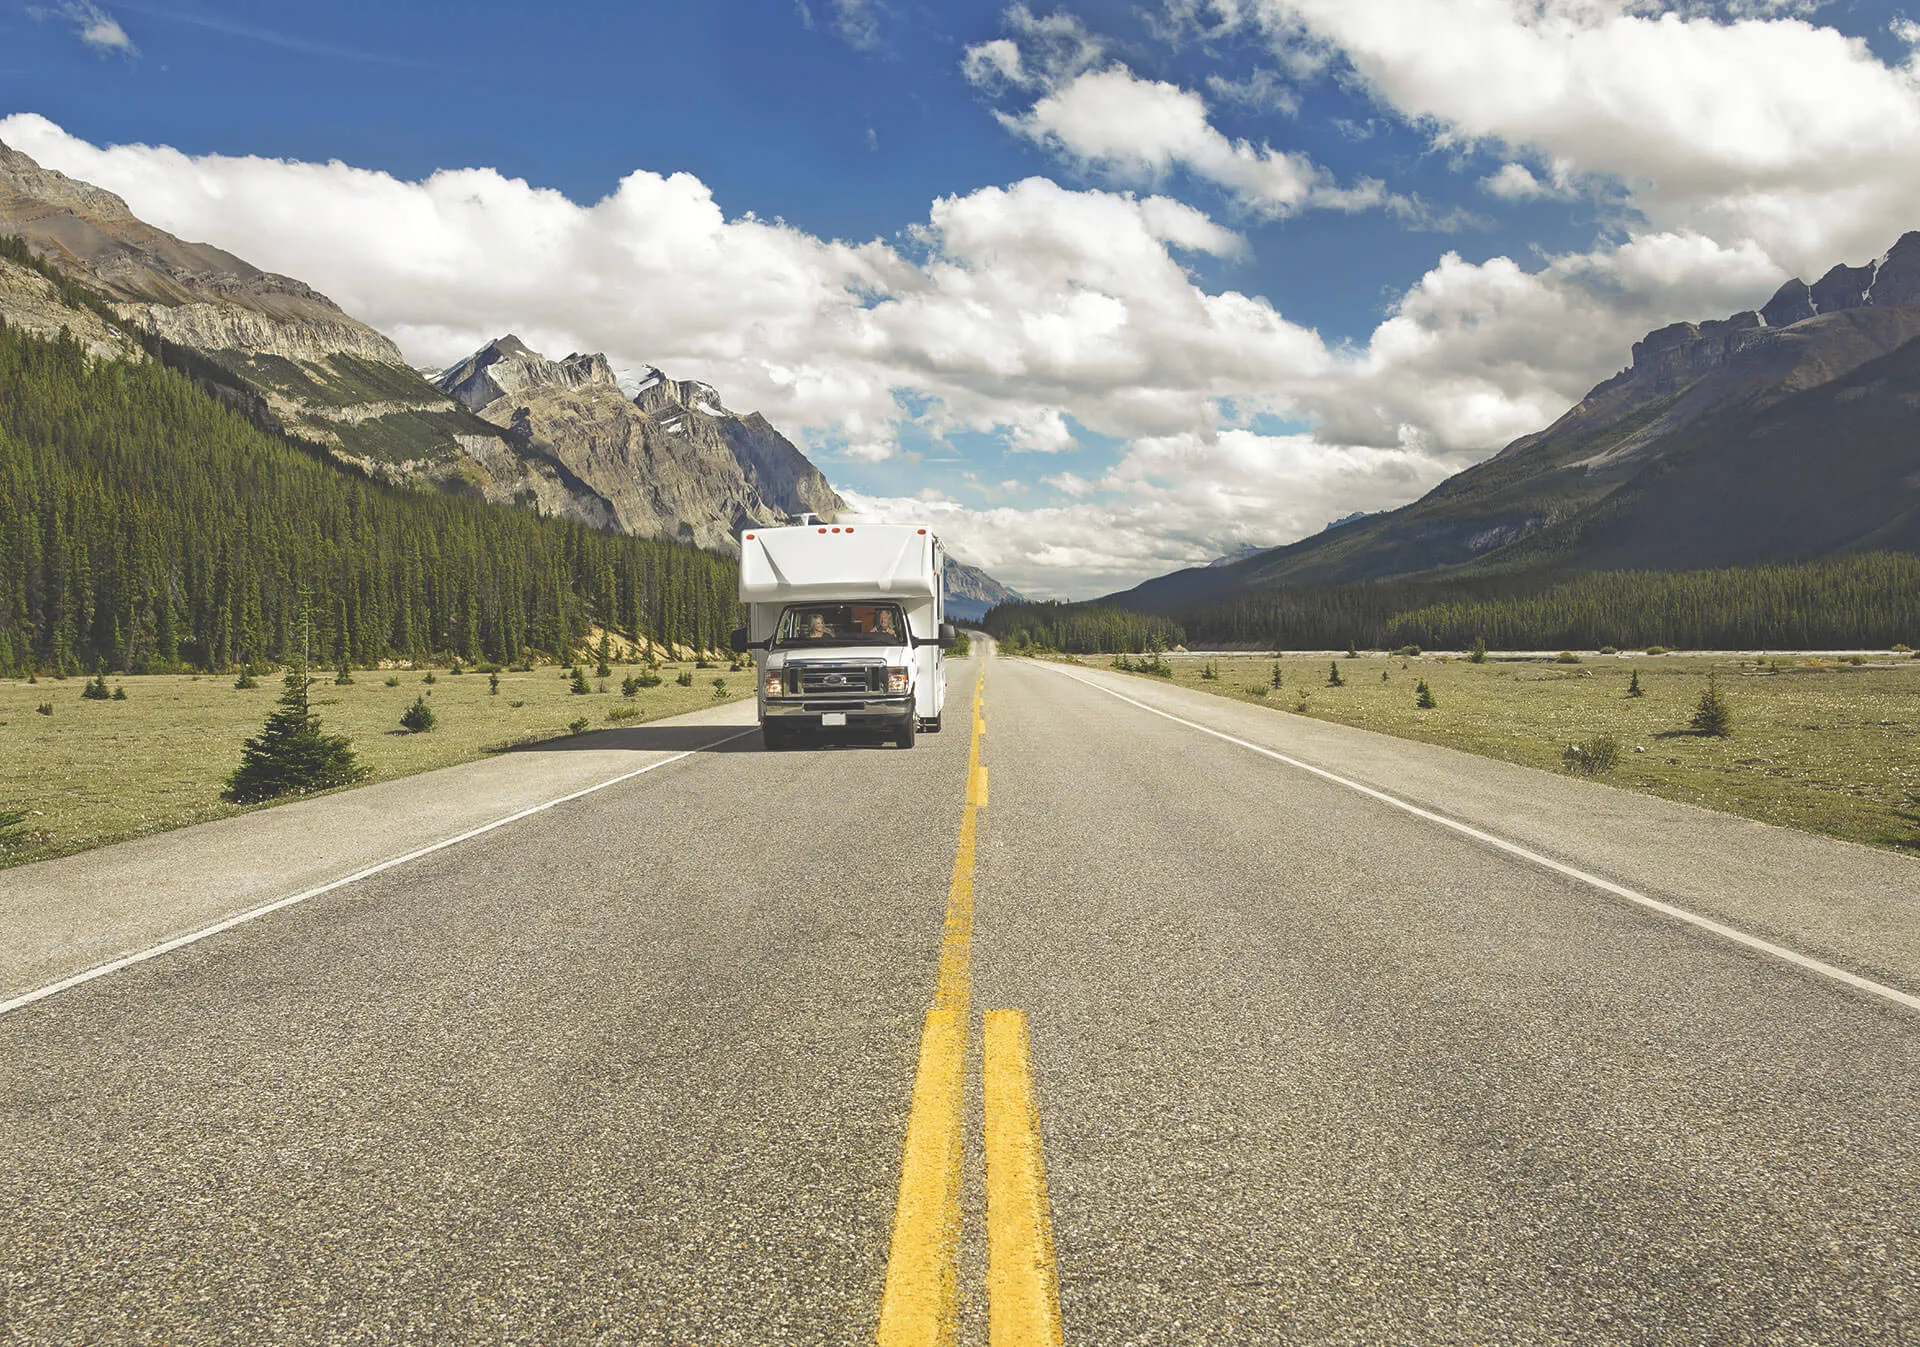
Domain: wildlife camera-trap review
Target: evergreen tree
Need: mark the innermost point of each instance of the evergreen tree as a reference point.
(96, 689)
(1478, 655)
(418, 718)
(605, 667)
(493, 685)
(246, 678)
(1712, 715)
(1633, 685)
(1353, 651)
(343, 676)
(577, 685)
(290, 755)
(1334, 680)
(1423, 696)
(119, 692)
(1275, 679)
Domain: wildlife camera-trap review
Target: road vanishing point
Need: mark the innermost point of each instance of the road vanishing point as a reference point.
(1114, 1013)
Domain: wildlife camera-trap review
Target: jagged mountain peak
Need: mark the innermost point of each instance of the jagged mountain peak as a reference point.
(507, 367)
(661, 395)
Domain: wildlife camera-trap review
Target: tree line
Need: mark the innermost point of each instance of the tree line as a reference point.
(1872, 599)
(144, 526)
(1079, 629)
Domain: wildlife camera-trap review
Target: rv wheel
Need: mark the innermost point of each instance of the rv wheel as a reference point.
(904, 736)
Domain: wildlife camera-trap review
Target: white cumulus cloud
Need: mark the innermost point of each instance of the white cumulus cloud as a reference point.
(92, 25)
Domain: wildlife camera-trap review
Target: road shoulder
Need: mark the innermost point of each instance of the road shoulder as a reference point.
(1853, 905)
(61, 917)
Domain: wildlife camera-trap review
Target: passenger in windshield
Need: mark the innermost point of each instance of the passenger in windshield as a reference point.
(843, 624)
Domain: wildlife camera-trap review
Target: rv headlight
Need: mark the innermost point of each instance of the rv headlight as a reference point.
(772, 684)
(896, 680)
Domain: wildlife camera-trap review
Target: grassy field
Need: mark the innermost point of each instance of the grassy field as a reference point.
(1818, 743)
(95, 772)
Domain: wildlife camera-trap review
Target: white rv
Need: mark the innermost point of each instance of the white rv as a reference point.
(847, 628)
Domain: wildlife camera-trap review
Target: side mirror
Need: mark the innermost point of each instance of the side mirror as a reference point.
(947, 636)
(739, 641)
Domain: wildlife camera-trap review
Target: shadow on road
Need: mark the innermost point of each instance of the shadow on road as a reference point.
(651, 739)
(688, 738)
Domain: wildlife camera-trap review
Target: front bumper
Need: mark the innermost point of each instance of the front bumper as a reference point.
(869, 710)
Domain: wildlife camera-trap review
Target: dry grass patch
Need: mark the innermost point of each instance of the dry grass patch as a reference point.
(97, 771)
(1820, 743)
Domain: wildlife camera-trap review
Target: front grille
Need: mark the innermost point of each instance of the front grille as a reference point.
(829, 680)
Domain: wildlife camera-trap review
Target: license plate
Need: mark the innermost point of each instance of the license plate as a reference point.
(834, 718)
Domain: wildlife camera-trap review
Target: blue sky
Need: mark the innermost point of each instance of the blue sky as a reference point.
(1410, 308)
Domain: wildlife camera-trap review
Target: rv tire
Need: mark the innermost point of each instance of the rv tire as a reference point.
(904, 735)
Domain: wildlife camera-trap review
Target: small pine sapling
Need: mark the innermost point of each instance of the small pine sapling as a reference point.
(629, 685)
(578, 725)
(1478, 655)
(1274, 679)
(1633, 685)
(44, 708)
(343, 676)
(1334, 680)
(430, 678)
(119, 692)
(290, 755)
(577, 682)
(393, 680)
(685, 679)
(493, 685)
(246, 678)
(1211, 672)
(1353, 651)
(1423, 696)
(1713, 716)
(419, 717)
(719, 687)
(96, 689)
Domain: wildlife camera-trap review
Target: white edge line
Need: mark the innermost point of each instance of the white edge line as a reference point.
(192, 937)
(1793, 957)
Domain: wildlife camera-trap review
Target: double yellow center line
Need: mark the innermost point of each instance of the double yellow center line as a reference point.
(919, 1305)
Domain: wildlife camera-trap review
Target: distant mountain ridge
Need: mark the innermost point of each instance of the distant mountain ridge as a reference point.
(1778, 434)
(971, 593)
(671, 461)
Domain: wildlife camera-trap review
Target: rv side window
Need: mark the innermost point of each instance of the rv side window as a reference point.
(841, 624)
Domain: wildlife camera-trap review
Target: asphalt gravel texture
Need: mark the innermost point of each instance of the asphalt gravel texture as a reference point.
(637, 1069)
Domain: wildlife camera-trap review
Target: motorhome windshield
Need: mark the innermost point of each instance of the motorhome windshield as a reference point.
(815, 624)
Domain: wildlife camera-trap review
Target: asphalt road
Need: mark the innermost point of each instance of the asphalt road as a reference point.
(1308, 1067)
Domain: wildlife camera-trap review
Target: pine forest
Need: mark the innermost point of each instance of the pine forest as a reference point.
(146, 527)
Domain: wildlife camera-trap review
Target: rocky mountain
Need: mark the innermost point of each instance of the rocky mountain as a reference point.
(671, 461)
(271, 345)
(1782, 433)
(970, 591)
(557, 437)
(660, 458)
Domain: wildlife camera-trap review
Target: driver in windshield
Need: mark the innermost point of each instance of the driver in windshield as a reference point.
(883, 624)
(817, 628)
